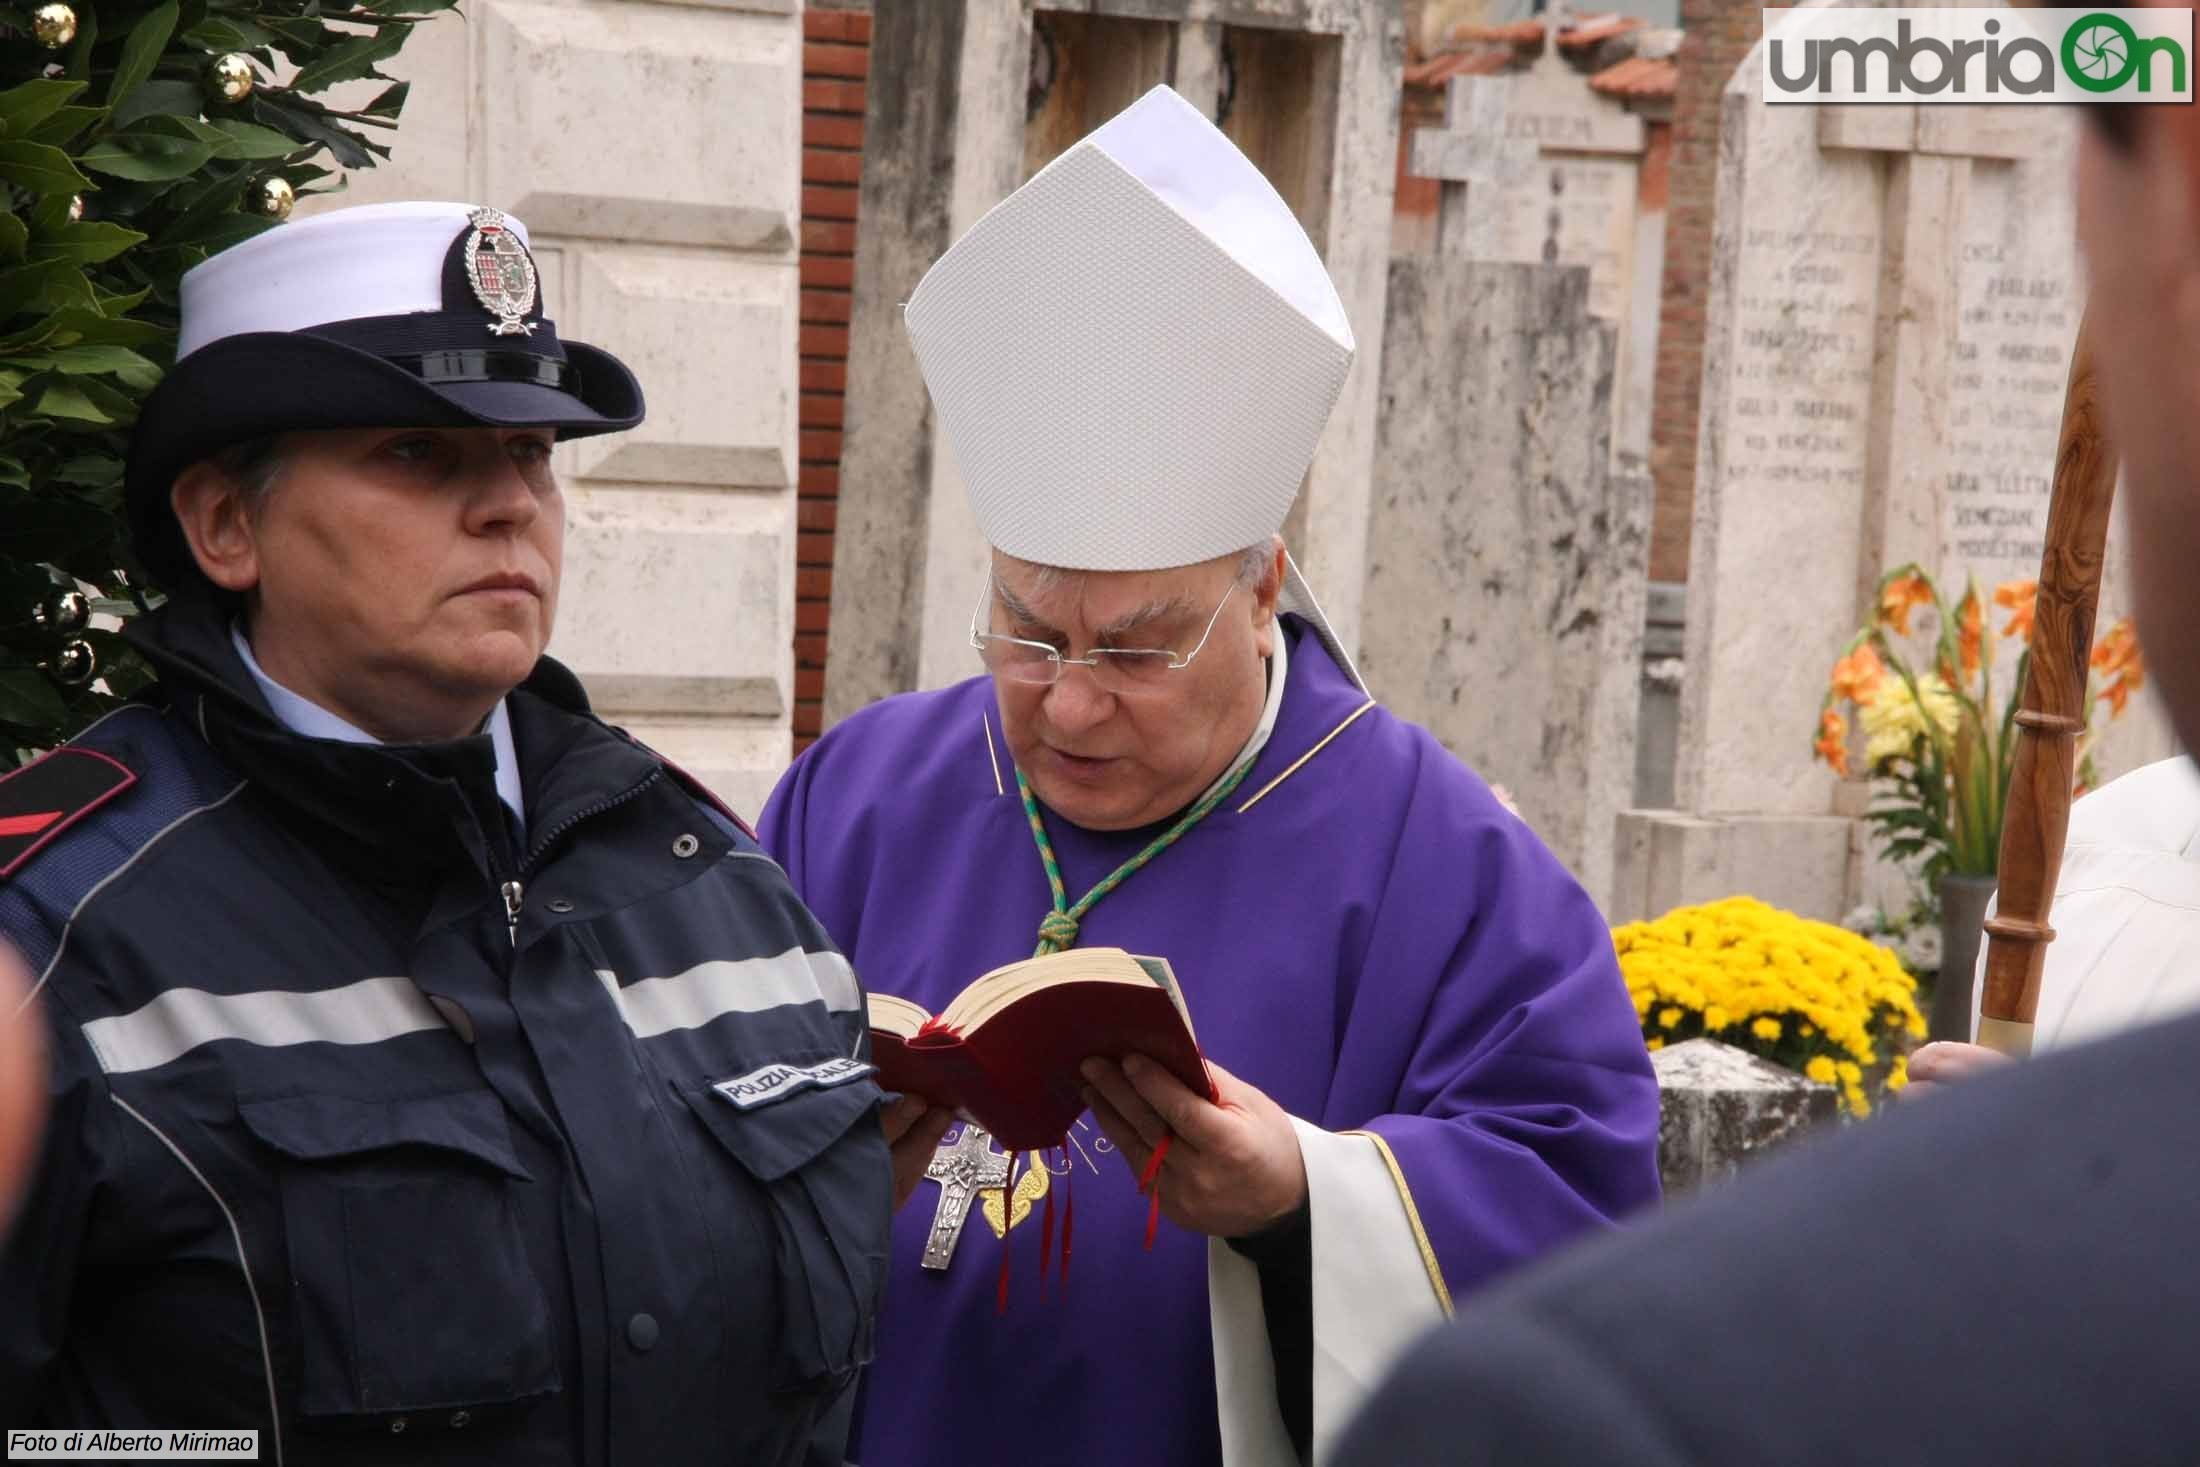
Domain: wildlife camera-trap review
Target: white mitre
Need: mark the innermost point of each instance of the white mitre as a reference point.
(1134, 354)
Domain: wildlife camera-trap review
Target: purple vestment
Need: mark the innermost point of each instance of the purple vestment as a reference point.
(1378, 944)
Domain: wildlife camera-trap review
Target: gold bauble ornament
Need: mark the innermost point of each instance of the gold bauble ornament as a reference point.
(273, 197)
(54, 26)
(231, 77)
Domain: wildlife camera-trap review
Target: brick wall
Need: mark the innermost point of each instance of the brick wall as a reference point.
(1719, 35)
(836, 57)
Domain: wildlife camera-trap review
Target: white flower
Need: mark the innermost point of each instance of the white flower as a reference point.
(1865, 919)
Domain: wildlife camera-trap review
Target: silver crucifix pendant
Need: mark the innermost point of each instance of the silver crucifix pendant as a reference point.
(963, 1168)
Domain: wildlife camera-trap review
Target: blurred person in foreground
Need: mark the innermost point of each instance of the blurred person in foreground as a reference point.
(22, 1080)
(2003, 1275)
(438, 1074)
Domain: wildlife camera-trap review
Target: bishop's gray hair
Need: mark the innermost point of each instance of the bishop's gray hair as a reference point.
(1253, 565)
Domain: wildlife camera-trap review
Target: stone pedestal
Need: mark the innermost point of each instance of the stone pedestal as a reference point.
(1662, 859)
(1719, 1107)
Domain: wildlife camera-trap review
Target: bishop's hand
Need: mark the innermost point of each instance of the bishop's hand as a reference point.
(1234, 1167)
(913, 1132)
(1938, 1067)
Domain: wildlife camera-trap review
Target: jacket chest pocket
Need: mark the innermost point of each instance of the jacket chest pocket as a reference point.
(819, 1159)
(411, 1291)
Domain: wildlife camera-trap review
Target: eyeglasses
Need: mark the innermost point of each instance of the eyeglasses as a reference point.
(1115, 669)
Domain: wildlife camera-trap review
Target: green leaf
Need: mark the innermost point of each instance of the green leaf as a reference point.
(87, 243)
(24, 107)
(163, 98)
(141, 52)
(389, 102)
(15, 238)
(348, 151)
(70, 400)
(64, 125)
(10, 394)
(87, 35)
(229, 33)
(221, 232)
(78, 360)
(248, 141)
(27, 285)
(349, 61)
(149, 157)
(28, 697)
(90, 471)
(40, 169)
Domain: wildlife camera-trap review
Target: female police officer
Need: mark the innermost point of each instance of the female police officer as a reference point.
(438, 1075)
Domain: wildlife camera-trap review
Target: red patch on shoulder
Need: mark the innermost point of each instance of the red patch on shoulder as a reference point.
(48, 795)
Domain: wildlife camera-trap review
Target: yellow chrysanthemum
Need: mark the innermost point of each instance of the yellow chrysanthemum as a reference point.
(1756, 976)
(1653, 1045)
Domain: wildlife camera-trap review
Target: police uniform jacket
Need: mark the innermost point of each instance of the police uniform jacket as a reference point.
(401, 1140)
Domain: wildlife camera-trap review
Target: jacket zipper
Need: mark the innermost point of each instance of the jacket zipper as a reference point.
(514, 891)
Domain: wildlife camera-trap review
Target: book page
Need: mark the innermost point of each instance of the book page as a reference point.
(1003, 986)
(891, 1015)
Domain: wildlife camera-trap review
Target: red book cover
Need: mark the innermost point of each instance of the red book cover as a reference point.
(1016, 1071)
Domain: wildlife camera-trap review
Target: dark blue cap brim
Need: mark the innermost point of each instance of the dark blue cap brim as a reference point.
(249, 386)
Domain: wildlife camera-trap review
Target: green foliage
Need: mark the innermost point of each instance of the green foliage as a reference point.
(122, 167)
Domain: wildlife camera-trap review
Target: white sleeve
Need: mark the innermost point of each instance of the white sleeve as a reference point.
(1376, 1288)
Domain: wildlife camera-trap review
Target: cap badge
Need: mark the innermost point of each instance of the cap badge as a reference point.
(502, 275)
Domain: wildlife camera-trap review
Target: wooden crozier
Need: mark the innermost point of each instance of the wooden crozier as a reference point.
(2052, 715)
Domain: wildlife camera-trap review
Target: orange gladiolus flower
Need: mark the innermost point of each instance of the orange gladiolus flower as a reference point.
(1833, 741)
(1900, 596)
(2117, 656)
(1970, 632)
(2017, 597)
(1857, 675)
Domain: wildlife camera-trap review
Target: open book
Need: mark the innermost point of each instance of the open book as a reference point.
(1005, 1053)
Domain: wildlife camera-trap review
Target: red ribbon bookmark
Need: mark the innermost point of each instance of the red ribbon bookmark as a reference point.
(1149, 1182)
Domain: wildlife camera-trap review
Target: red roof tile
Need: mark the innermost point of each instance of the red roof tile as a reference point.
(1590, 30)
(1442, 67)
(1638, 77)
(1518, 33)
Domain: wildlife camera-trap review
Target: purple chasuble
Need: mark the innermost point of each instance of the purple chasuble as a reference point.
(1378, 944)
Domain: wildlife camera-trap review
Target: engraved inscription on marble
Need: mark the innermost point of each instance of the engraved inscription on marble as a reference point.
(1802, 361)
(2016, 315)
